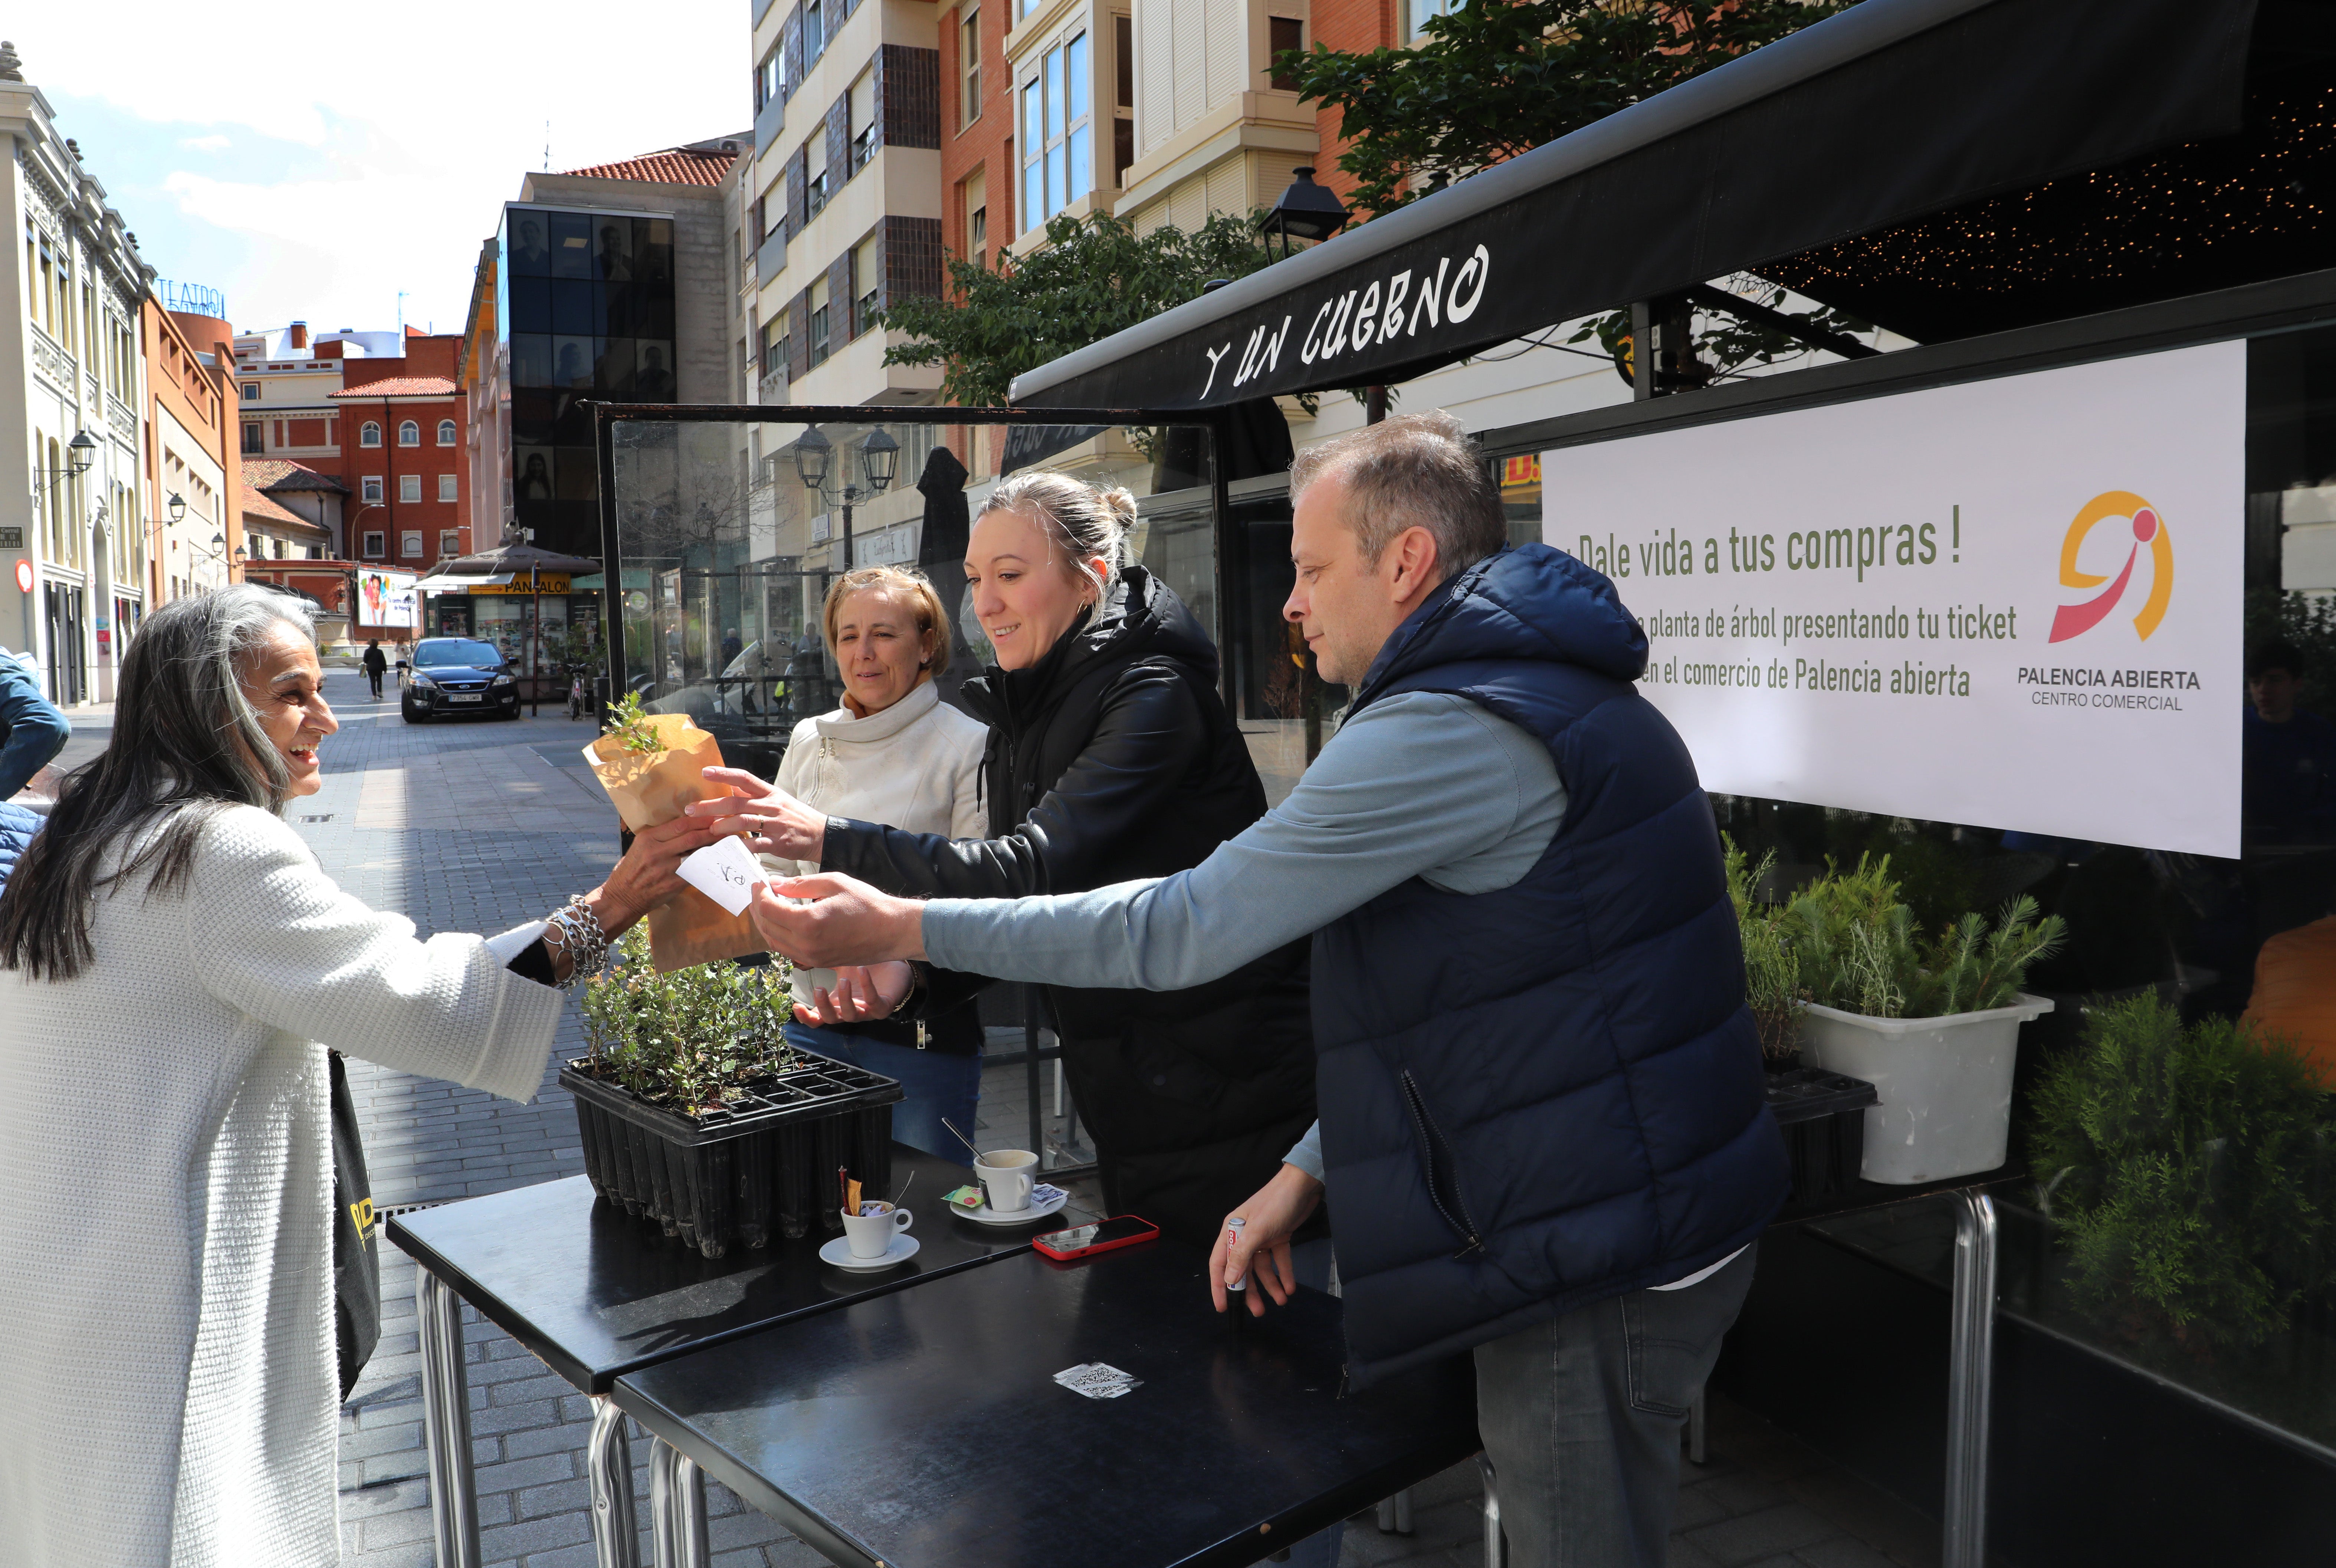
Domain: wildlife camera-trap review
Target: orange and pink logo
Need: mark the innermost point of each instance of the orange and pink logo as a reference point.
(2149, 529)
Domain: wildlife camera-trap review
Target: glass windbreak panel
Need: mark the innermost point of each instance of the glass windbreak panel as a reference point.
(2181, 1213)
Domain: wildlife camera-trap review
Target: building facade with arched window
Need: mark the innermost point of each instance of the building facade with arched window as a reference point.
(74, 286)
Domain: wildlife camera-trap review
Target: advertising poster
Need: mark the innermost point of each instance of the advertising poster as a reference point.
(2014, 604)
(386, 601)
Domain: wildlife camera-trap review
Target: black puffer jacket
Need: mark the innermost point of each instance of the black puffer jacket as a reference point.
(1115, 759)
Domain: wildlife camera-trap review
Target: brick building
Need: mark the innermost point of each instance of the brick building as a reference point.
(401, 454)
(193, 525)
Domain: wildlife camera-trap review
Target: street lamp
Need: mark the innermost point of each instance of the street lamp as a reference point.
(1306, 211)
(880, 457)
(178, 507)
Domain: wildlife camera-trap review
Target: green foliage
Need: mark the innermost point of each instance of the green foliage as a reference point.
(1860, 950)
(1772, 966)
(1095, 276)
(688, 1038)
(629, 722)
(2190, 1174)
(2309, 622)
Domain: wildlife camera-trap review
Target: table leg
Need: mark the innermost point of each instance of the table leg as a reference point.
(446, 1422)
(1971, 1376)
(676, 1508)
(616, 1538)
(1497, 1545)
(1395, 1512)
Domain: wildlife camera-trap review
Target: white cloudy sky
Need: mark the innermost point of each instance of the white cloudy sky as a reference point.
(313, 161)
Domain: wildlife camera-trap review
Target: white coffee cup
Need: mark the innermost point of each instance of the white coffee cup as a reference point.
(870, 1232)
(1007, 1176)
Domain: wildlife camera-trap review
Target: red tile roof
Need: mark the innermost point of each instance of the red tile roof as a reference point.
(674, 166)
(401, 386)
(281, 473)
(259, 509)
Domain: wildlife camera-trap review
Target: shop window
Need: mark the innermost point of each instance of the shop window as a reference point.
(409, 433)
(969, 68)
(369, 488)
(446, 433)
(369, 433)
(377, 544)
(446, 488)
(408, 544)
(409, 487)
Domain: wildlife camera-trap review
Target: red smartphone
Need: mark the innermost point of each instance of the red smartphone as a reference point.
(1103, 1236)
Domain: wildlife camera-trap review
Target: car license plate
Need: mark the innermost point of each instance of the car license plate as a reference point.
(464, 697)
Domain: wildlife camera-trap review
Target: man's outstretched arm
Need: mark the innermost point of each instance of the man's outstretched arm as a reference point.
(1415, 784)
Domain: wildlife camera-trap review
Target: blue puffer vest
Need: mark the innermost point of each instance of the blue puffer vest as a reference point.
(1538, 1097)
(17, 827)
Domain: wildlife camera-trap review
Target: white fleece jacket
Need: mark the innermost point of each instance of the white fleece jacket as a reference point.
(168, 1388)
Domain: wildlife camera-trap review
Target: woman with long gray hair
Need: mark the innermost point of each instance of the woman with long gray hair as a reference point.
(174, 964)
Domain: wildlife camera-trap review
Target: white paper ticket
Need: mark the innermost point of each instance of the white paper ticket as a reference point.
(726, 871)
(1097, 1381)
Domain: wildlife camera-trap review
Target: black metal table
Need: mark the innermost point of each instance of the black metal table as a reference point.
(925, 1428)
(594, 1293)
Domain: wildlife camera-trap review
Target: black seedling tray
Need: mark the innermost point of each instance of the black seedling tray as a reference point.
(765, 1161)
(1823, 1116)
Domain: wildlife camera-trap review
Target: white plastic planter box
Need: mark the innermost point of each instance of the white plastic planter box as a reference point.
(1945, 1084)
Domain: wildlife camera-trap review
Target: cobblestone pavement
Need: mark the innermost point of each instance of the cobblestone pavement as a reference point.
(483, 824)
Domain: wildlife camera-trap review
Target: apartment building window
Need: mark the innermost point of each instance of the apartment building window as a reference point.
(369, 489)
(255, 440)
(446, 487)
(867, 283)
(1057, 149)
(1422, 10)
(814, 34)
(409, 433)
(860, 120)
(815, 190)
(1284, 34)
(251, 391)
(768, 76)
(775, 347)
(446, 433)
(1123, 99)
(408, 544)
(409, 487)
(369, 433)
(377, 544)
(968, 59)
(818, 321)
(450, 541)
(976, 191)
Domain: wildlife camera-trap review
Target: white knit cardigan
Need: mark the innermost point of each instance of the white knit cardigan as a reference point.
(915, 765)
(167, 1383)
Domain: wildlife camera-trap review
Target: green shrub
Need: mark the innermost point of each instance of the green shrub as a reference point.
(2188, 1171)
(1772, 970)
(1861, 951)
(687, 1038)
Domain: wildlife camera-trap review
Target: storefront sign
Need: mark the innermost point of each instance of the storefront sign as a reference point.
(386, 601)
(2014, 604)
(546, 582)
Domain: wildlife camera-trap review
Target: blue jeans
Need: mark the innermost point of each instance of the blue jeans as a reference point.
(1581, 1417)
(939, 1083)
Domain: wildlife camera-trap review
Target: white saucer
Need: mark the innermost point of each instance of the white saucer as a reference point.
(838, 1252)
(988, 1217)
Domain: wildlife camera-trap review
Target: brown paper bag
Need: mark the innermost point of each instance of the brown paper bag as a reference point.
(649, 788)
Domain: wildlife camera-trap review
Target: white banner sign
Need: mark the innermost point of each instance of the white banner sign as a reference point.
(387, 600)
(2014, 604)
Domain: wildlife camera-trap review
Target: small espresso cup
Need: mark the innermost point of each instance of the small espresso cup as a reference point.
(1007, 1176)
(870, 1232)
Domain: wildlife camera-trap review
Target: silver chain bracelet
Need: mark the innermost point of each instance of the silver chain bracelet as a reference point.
(573, 929)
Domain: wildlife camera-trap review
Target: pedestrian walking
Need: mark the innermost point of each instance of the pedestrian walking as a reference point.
(1543, 1126)
(173, 965)
(893, 753)
(377, 665)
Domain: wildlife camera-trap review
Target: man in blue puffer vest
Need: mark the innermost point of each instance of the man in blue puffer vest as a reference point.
(1542, 1130)
(31, 733)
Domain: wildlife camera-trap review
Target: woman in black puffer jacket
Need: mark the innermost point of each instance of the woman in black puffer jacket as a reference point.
(1113, 757)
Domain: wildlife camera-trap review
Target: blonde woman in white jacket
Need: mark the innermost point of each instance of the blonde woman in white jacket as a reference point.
(894, 753)
(174, 964)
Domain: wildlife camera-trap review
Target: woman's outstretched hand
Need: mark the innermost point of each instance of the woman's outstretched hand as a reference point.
(861, 994)
(649, 877)
(774, 822)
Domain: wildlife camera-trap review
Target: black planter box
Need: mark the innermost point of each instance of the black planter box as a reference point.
(1823, 1116)
(764, 1164)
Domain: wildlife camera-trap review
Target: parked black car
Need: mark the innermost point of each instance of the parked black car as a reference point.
(452, 675)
